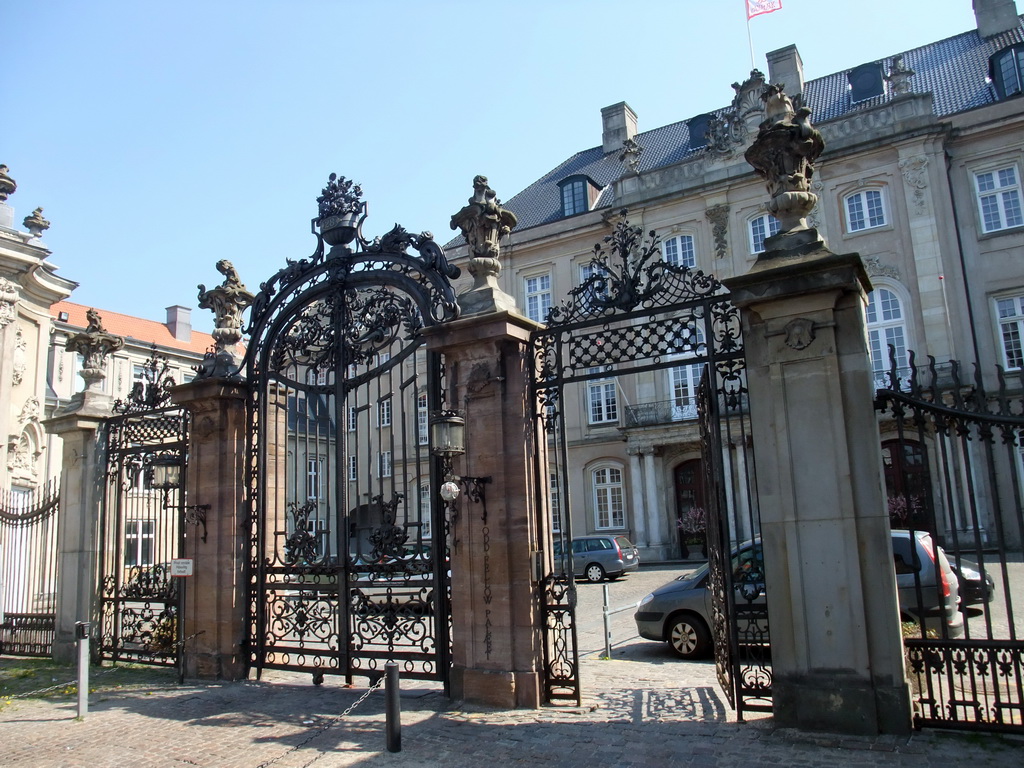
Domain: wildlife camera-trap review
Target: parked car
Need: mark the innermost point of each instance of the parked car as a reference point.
(601, 556)
(976, 588)
(679, 612)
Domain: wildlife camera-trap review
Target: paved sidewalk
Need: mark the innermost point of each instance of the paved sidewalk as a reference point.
(635, 714)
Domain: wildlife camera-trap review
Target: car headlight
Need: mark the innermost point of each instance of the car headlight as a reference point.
(646, 600)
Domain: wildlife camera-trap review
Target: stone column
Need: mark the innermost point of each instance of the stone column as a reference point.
(496, 621)
(654, 508)
(837, 653)
(636, 485)
(216, 597)
(81, 497)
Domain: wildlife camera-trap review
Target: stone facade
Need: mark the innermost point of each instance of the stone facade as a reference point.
(898, 183)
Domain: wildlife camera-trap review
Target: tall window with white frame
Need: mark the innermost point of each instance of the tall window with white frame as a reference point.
(1011, 330)
(384, 464)
(684, 379)
(602, 401)
(760, 229)
(886, 326)
(353, 468)
(424, 510)
(556, 503)
(865, 209)
(679, 251)
(422, 419)
(314, 477)
(138, 542)
(998, 194)
(384, 412)
(537, 293)
(609, 509)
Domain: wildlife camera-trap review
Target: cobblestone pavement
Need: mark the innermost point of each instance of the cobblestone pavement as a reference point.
(642, 707)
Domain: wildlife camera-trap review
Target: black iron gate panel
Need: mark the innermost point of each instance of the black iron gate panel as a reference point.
(634, 315)
(350, 565)
(739, 609)
(952, 453)
(28, 570)
(142, 530)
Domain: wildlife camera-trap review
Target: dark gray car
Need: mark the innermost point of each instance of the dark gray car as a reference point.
(678, 612)
(601, 556)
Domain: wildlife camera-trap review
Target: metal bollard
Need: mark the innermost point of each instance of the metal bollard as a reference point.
(82, 636)
(607, 625)
(392, 708)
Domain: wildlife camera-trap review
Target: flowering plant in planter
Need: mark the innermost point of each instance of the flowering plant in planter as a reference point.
(905, 512)
(693, 524)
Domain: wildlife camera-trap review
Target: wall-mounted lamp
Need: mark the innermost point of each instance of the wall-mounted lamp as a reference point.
(166, 476)
(447, 434)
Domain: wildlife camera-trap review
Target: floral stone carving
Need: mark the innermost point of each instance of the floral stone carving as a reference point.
(783, 154)
(227, 301)
(8, 301)
(483, 223)
(94, 344)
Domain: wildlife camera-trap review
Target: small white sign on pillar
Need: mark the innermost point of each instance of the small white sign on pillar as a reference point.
(181, 567)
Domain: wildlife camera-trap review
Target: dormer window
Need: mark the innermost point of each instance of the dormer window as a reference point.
(866, 82)
(1005, 69)
(578, 195)
(698, 127)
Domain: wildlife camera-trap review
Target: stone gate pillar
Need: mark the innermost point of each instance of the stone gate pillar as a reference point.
(216, 598)
(217, 606)
(497, 642)
(837, 653)
(83, 469)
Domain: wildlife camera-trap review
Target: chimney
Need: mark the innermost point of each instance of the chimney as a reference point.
(995, 16)
(618, 123)
(179, 322)
(785, 66)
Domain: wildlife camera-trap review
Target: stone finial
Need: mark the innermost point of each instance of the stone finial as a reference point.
(899, 76)
(8, 301)
(227, 301)
(783, 154)
(7, 184)
(35, 223)
(631, 152)
(94, 344)
(483, 223)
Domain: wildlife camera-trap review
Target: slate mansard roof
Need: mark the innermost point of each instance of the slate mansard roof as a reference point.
(954, 70)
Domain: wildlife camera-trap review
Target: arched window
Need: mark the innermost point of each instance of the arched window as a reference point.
(886, 326)
(864, 209)
(679, 251)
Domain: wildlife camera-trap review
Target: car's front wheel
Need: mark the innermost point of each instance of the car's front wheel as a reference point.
(594, 573)
(688, 636)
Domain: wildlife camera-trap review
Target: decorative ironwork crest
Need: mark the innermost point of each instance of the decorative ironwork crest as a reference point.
(388, 539)
(627, 273)
(152, 391)
(301, 546)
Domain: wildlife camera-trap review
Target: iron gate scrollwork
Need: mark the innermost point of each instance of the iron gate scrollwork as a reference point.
(350, 564)
(634, 314)
(952, 456)
(142, 526)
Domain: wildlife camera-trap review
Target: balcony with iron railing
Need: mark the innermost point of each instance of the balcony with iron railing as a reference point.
(662, 412)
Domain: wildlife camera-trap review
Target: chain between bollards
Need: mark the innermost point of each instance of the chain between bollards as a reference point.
(392, 708)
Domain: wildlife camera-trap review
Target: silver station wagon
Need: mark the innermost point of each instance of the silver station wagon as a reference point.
(601, 556)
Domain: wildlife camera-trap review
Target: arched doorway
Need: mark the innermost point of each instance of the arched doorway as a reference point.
(690, 517)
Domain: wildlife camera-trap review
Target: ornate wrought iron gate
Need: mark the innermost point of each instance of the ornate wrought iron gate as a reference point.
(953, 461)
(142, 526)
(349, 540)
(28, 570)
(633, 315)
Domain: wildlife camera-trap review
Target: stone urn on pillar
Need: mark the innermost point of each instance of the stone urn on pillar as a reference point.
(483, 223)
(228, 301)
(94, 344)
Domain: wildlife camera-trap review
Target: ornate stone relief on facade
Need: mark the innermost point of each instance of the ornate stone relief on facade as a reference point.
(814, 217)
(8, 301)
(915, 174)
(799, 333)
(631, 152)
(18, 357)
(875, 268)
(899, 76)
(30, 411)
(22, 455)
(718, 215)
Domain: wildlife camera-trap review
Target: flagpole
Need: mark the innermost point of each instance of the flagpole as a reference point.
(750, 41)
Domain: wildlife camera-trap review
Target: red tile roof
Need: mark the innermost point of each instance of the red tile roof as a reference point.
(136, 328)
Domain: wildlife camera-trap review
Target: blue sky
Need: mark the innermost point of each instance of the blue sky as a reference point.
(162, 137)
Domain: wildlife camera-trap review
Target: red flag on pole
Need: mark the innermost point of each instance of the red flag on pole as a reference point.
(757, 7)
